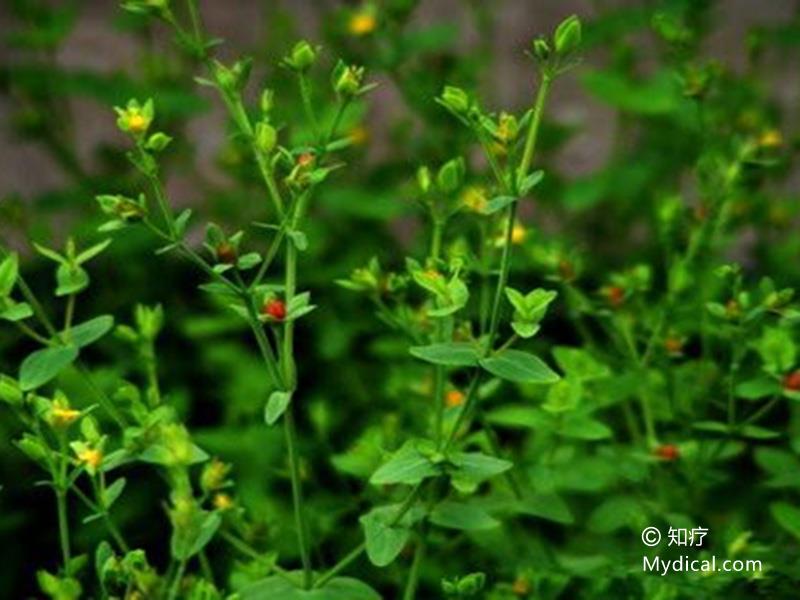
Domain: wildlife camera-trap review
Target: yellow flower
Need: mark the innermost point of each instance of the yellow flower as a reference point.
(474, 198)
(62, 416)
(135, 118)
(518, 235)
(222, 502)
(91, 456)
(359, 135)
(362, 23)
(214, 475)
(454, 398)
(771, 138)
(521, 587)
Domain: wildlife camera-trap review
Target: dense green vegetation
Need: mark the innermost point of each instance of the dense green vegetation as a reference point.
(353, 357)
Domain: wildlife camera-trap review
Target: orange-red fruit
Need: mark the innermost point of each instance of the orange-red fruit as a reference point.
(274, 308)
(226, 253)
(667, 452)
(616, 295)
(792, 381)
(673, 345)
(305, 159)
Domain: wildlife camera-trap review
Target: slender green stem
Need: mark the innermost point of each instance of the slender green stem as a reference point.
(69, 314)
(533, 130)
(341, 565)
(61, 501)
(297, 496)
(176, 581)
(247, 550)
(406, 505)
(308, 106)
(413, 575)
(63, 526)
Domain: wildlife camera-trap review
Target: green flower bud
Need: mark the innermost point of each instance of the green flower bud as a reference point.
(157, 142)
(347, 79)
(266, 137)
(455, 99)
(302, 57)
(267, 101)
(149, 320)
(122, 207)
(451, 175)
(424, 179)
(471, 584)
(567, 37)
(541, 49)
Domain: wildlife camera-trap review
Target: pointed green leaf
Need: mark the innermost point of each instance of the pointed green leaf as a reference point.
(520, 367)
(41, 366)
(408, 465)
(466, 517)
(276, 405)
(338, 588)
(89, 331)
(384, 541)
(453, 354)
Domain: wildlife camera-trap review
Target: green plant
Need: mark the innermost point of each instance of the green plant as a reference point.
(507, 389)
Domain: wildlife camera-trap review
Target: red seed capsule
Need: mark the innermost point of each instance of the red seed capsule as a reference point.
(667, 452)
(274, 308)
(616, 295)
(226, 253)
(791, 381)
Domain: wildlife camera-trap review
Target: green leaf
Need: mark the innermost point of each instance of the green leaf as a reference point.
(17, 312)
(384, 541)
(248, 261)
(547, 506)
(787, 516)
(584, 428)
(299, 239)
(90, 253)
(757, 388)
(466, 517)
(276, 405)
(71, 280)
(616, 513)
(497, 203)
(41, 366)
(452, 354)
(520, 367)
(475, 467)
(530, 182)
(579, 363)
(9, 269)
(189, 538)
(51, 254)
(89, 331)
(755, 432)
(113, 492)
(658, 95)
(408, 465)
(278, 588)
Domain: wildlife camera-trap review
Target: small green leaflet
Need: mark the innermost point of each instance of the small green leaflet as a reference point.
(192, 537)
(466, 517)
(787, 516)
(408, 465)
(384, 540)
(520, 367)
(453, 354)
(41, 366)
(89, 331)
(276, 405)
